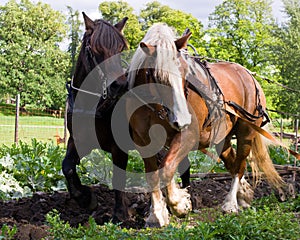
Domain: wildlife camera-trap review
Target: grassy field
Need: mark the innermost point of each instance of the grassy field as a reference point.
(41, 128)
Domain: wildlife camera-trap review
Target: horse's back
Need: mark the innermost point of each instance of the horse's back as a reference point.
(237, 84)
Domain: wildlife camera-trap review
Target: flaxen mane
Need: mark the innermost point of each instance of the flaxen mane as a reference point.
(165, 63)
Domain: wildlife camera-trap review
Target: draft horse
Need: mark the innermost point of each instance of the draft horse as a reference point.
(101, 45)
(201, 107)
(90, 113)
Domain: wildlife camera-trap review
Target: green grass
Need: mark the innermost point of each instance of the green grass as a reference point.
(266, 219)
(41, 128)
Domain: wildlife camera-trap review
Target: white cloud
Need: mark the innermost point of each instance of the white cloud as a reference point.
(198, 8)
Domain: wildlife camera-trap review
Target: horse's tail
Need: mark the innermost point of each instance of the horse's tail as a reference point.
(261, 161)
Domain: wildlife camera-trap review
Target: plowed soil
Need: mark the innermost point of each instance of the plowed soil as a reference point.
(28, 214)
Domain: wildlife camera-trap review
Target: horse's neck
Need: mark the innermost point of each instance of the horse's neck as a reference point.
(203, 73)
(79, 75)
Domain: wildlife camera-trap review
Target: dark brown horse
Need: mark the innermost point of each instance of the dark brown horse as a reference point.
(90, 107)
(198, 111)
(97, 84)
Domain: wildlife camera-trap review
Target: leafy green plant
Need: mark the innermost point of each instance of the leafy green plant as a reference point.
(267, 219)
(29, 168)
(7, 232)
(62, 230)
(202, 163)
(279, 155)
(96, 167)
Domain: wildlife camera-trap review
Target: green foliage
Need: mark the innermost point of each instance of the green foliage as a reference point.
(29, 168)
(96, 167)
(8, 232)
(240, 31)
(287, 57)
(281, 156)
(74, 36)
(267, 219)
(31, 62)
(156, 12)
(62, 230)
(202, 163)
(114, 11)
(135, 162)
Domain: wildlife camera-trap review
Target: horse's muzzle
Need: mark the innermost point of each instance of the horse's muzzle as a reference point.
(173, 120)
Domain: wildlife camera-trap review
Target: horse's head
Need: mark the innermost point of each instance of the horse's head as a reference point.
(159, 60)
(101, 44)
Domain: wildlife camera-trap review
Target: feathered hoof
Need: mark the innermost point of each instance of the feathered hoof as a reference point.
(158, 217)
(183, 204)
(230, 206)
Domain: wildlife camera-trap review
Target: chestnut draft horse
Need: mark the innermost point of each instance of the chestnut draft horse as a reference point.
(96, 87)
(89, 113)
(167, 82)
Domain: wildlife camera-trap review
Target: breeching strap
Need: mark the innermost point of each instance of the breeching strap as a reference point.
(260, 130)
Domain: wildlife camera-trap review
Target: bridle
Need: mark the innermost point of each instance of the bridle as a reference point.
(91, 57)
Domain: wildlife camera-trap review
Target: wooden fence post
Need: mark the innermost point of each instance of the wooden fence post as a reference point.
(17, 119)
(65, 123)
(296, 134)
(281, 129)
(296, 146)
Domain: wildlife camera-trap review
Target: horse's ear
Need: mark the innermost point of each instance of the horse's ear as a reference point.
(120, 25)
(183, 41)
(186, 32)
(89, 23)
(148, 49)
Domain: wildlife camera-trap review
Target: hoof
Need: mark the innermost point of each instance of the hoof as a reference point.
(120, 216)
(87, 198)
(158, 217)
(243, 204)
(182, 205)
(154, 222)
(245, 194)
(230, 207)
(154, 225)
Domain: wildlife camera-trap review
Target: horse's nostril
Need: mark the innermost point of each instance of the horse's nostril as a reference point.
(176, 126)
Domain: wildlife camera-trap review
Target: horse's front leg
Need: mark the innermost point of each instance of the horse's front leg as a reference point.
(120, 160)
(184, 171)
(158, 214)
(178, 199)
(83, 195)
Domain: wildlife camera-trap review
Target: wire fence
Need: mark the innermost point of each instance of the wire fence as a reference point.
(50, 125)
(44, 125)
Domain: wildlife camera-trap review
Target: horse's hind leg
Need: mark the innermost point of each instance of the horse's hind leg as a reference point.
(82, 194)
(240, 193)
(228, 155)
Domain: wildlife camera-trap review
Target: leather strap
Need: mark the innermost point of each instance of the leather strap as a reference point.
(260, 130)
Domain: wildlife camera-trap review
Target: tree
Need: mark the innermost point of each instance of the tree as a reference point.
(115, 11)
(31, 62)
(241, 31)
(287, 58)
(74, 37)
(156, 12)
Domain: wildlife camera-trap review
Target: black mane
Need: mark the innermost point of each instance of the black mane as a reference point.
(105, 41)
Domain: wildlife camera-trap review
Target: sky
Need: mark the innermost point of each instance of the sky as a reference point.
(198, 8)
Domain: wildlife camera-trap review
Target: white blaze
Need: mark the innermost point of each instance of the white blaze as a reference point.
(180, 108)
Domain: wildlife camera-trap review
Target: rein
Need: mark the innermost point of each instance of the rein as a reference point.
(101, 75)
